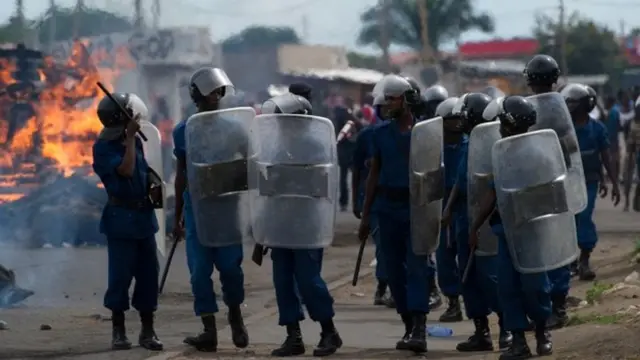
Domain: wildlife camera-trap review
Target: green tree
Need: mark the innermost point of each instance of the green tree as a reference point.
(590, 48)
(361, 60)
(446, 20)
(260, 36)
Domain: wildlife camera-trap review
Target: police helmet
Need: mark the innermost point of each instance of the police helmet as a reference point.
(577, 98)
(395, 86)
(542, 70)
(445, 109)
(517, 114)
(414, 84)
(110, 112)
(379, 100)
(207, 80)
(593, 95)
(492, 110)
(493, 92)
(470, 108)
(287, 104)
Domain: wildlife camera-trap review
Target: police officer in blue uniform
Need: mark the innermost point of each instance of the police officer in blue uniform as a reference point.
(520, 295)
(479, 292)
(541, 73)
(206, 91)
(300, 267)
(128, 219)
(455, 143)
(361, 162)
(594, 148)
(432, 98)
(388, 184)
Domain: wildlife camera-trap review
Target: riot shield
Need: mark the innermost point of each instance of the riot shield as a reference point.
(479, 177)
(153, 154)
(552, 113)
(293, 181)
(530, 174)
(426, 176)
(217, 144)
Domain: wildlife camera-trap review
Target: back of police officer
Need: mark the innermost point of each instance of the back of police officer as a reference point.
(128, 220)
(431, 98)
(207, 87)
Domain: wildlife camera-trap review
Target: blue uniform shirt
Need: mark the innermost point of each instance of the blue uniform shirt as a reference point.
(495, 221)
(361, 160)
(118, 221)
(592, 139)
(454, 155)
(392, 148)
(180, 152)
(613, 125)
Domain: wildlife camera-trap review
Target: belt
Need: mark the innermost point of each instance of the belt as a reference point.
(394, 194)
(130, 204)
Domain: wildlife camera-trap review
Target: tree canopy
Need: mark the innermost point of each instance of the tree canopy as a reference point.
(446, 20)
(260, 36)
(590, 49)
(91, 22)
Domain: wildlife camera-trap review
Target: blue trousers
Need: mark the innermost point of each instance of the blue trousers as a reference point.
(587, 233)
(407, 273)
(299, 271)
(446, 264)
(381, 271)
(521, 295)
(560, 280)
(129, 259)
(201, 260)
(480, 291)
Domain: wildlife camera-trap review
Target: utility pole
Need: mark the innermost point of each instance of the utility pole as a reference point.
(156, 11)
(139, 18)
(563, 41)
(427, 54)
(383, 20)
(77, 14)
(20, 19)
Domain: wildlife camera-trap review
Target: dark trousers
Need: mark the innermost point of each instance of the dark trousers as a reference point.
(344, 185)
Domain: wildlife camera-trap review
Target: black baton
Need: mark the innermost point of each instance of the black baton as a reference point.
(110, 96)
(356, 272)
(167, 265)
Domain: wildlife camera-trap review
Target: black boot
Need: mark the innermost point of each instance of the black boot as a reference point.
(390, 302)
(544, 346)
(453, 312)
(519, 348)
(119, 340)
(293, 344)
(584, 268)
(239, 333)
(407, 319)
(418, 340)
(378, 298)
(330, 340)
(481, 338)
(506, 338)
(559, 317)
(207, 340)
(148, 338)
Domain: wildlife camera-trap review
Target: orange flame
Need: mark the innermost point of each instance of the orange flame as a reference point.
(61, 132)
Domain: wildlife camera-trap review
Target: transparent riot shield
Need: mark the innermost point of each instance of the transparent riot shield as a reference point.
(293, 181)
(530, 175)
(552, 113)
(217, 144)
(426, 176)
(153, 154)
(479, 177)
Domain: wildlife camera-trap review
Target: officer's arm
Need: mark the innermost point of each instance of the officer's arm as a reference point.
(372, 185)
(605, 154)
(128, 165)
(453, 197)
(487, 207)
(180, 184)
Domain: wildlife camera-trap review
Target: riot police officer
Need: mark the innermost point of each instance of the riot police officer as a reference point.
(521, 294)
(432, 97)
(128, 219)
(207, 87)
(541, 73)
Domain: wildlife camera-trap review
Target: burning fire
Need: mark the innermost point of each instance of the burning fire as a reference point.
(55, 130)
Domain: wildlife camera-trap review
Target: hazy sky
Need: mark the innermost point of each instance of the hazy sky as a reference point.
(336, 22)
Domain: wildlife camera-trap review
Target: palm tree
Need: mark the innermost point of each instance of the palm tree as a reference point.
(446, 19)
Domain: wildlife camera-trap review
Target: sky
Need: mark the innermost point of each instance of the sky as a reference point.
(336, 22)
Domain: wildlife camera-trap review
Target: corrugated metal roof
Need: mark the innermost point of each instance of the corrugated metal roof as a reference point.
(357, 75)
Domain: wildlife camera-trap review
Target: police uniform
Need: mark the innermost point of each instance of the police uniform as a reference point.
(448, 273)
(521, 295)
(129, 223)
(296, 270)
(201, 259)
